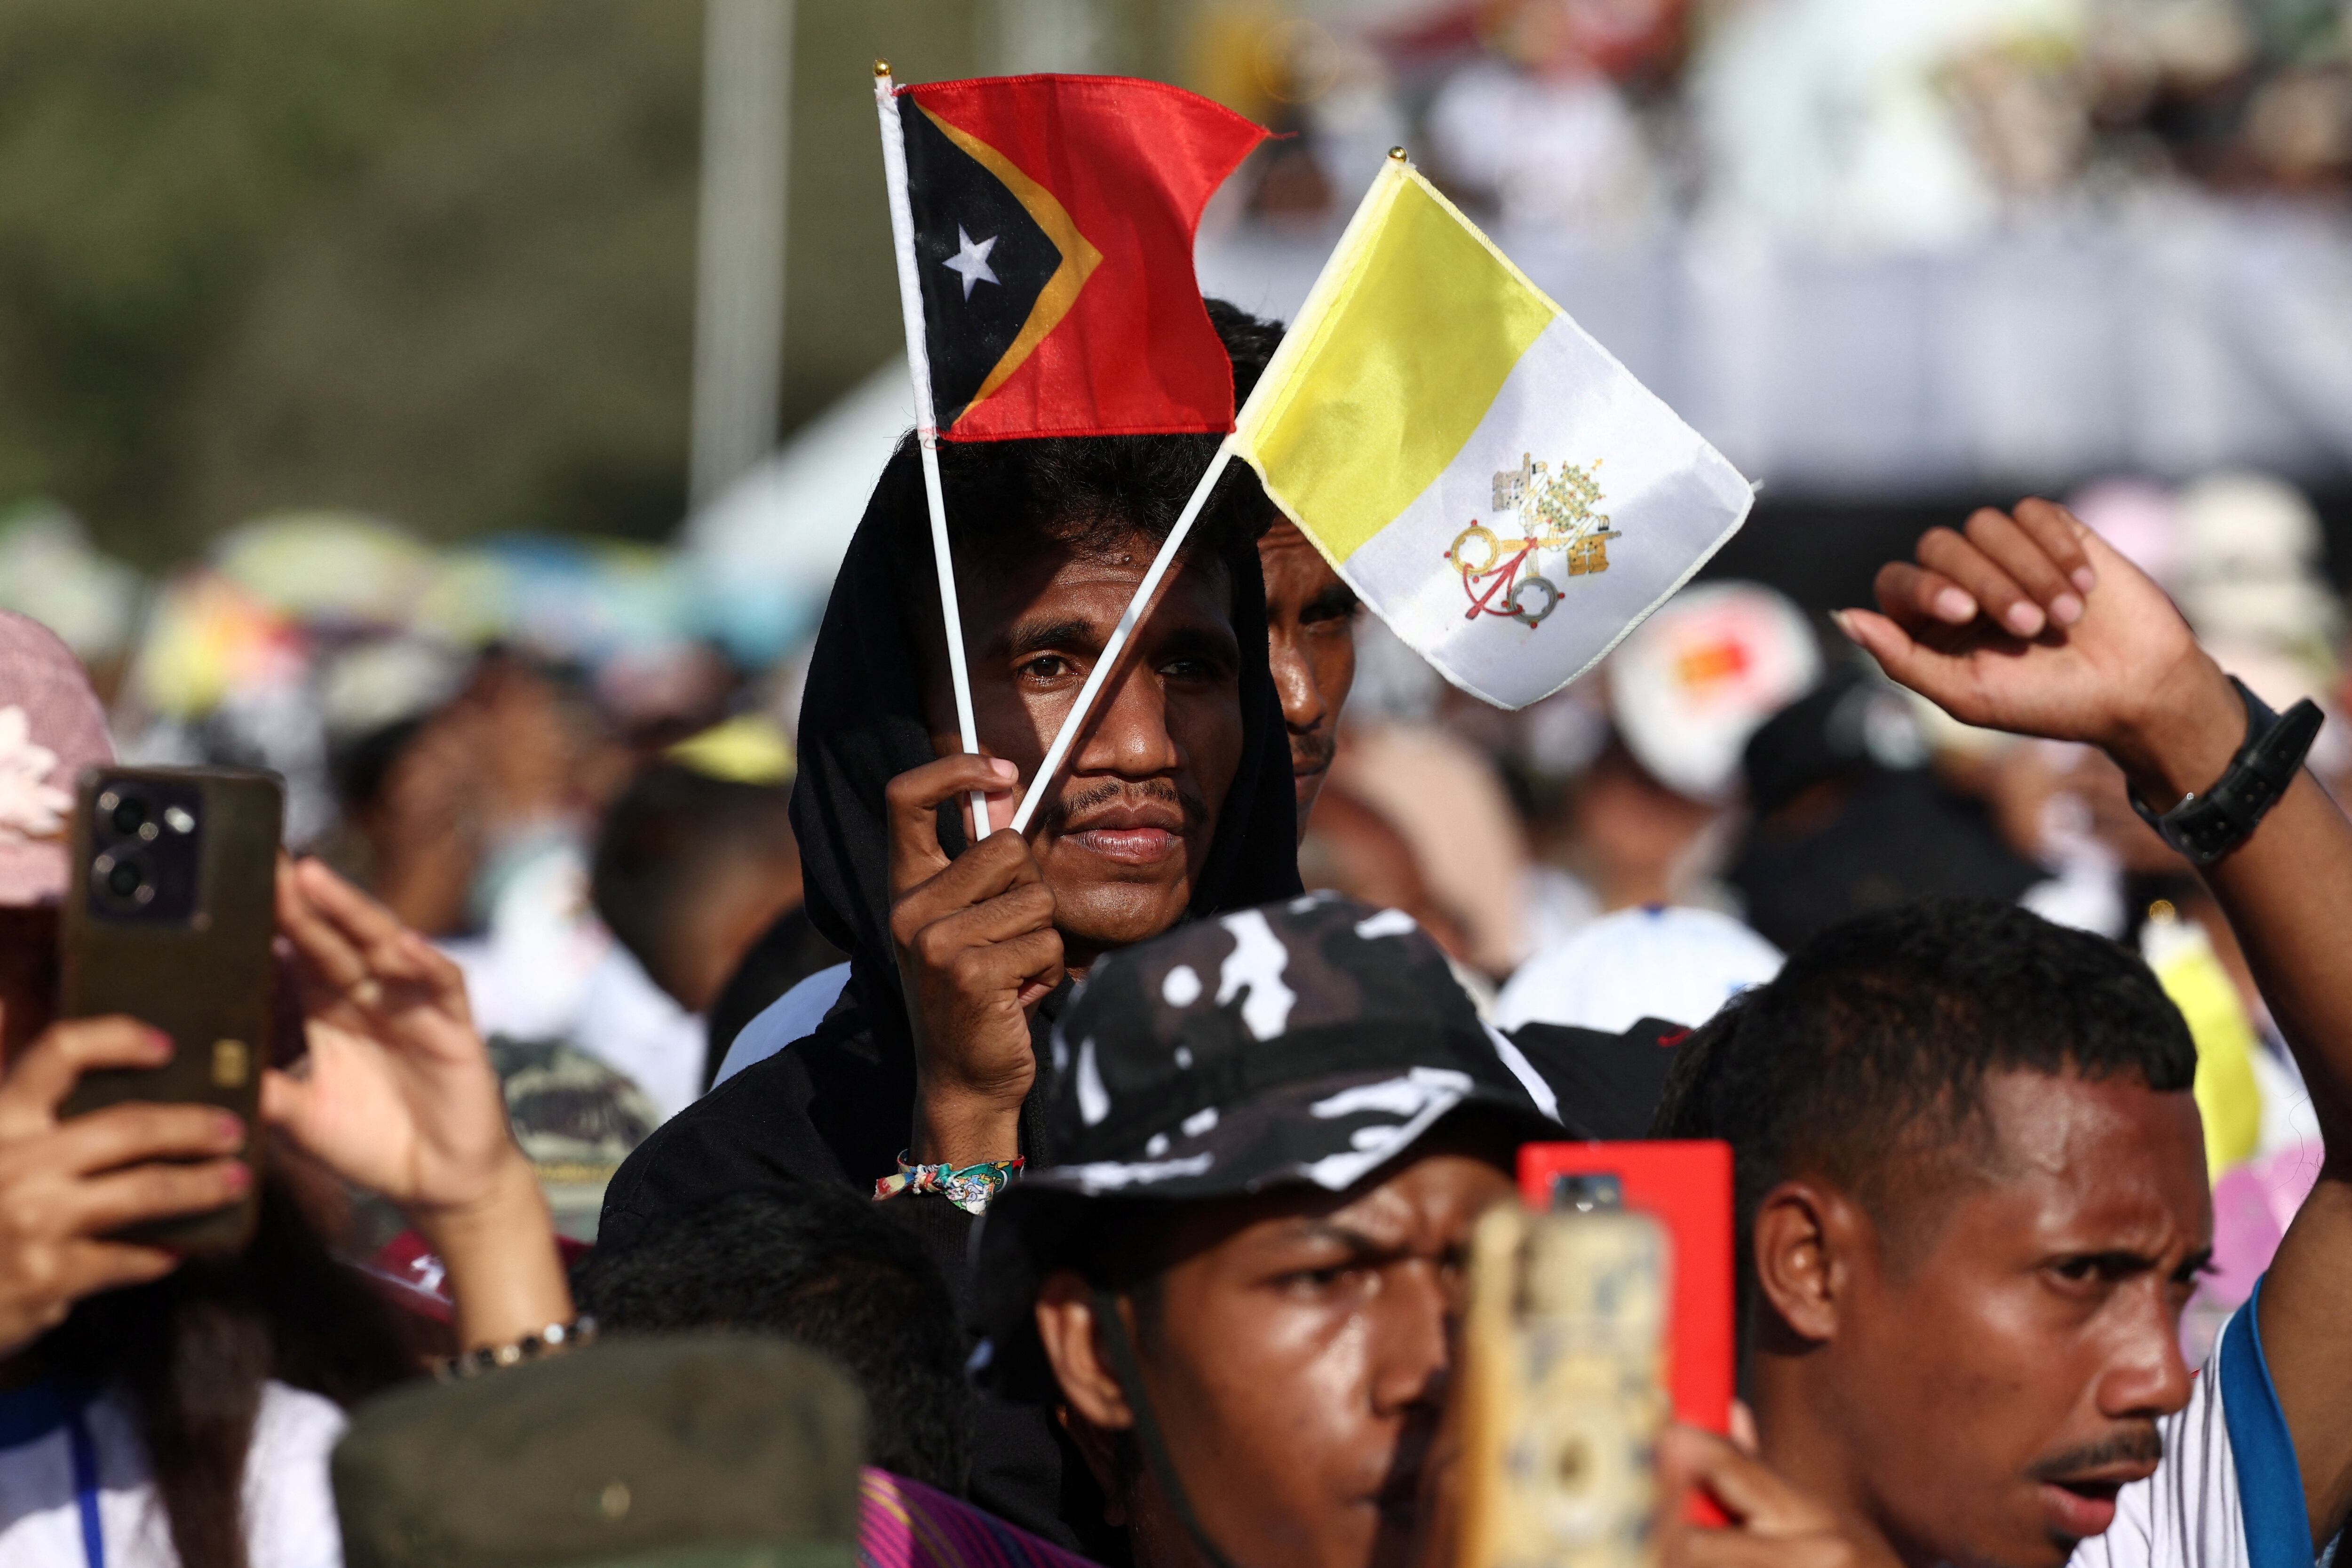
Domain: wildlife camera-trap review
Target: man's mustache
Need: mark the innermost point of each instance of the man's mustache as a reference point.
(1314, 749)
(2138, 1446)
(1059, 815)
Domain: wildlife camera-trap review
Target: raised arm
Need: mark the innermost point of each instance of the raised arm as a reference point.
(2029, 623)
(397, 1095)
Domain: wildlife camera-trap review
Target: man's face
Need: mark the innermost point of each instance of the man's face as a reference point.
(1298, 1356)
(1310, 641)
(1999, 1380)
(1128, 826)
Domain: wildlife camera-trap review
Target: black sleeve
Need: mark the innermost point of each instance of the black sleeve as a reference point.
(753, 1133)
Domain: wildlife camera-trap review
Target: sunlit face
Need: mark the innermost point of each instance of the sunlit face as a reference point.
(1310, 635)
(1296, 1358)
(1996, 1383)
(1128, 823)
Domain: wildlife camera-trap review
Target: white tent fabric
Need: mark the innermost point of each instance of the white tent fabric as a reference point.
(764, 551)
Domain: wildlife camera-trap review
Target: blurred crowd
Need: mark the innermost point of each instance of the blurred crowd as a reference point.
(1827, 120)
(531, 752)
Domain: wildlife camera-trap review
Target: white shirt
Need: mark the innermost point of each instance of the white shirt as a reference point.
(2226, 1493)
(289, 1505)
(794, 1015)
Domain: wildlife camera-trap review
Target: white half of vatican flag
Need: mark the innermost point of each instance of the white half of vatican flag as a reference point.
(1493, 483)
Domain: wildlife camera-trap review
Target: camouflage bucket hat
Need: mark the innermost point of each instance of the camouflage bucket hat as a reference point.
(710, 1450)
(1309, 1042)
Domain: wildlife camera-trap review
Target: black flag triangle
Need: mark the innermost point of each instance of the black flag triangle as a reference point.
(998, 260)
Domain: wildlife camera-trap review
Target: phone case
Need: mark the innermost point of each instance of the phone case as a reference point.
(1685, 1187)
(1566, 1395)
(170, 920)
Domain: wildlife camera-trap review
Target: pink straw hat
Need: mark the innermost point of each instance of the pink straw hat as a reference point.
(51, 728)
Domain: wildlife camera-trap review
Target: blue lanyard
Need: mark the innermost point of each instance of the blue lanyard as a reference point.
(85, 1473)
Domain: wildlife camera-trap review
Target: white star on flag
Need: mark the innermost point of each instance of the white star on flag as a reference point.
(971, 261)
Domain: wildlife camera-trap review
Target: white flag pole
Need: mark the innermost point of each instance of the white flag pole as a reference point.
(927, 434)
(1137, 608)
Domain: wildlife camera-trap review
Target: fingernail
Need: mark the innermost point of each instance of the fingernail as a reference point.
(238, 1176)
(2025, 620)
(1846, 624)
(2084, 578)
(2066, 609)
(1955, 606)
(228, 1128)
(1002, 769)
(159, 1045)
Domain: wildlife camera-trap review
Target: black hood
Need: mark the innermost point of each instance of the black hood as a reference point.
(862, 724)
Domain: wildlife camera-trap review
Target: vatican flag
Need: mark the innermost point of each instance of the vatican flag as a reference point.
(1493, 483)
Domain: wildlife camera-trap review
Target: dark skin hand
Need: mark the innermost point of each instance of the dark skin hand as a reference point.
(1296, 1362)
(1310, 642)
(1110, 861)
(1773, 1523)
(2028, 622)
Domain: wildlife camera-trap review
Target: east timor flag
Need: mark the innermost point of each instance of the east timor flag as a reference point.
(1052, 221)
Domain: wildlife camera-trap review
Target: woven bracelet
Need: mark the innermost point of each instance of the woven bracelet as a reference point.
(970, 1188)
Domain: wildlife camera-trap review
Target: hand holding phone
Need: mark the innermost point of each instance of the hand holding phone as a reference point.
(169, 920)
(67, 1187)
(1773, 1523)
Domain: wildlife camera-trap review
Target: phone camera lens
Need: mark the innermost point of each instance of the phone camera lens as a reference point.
(123, 880)
(130, 815)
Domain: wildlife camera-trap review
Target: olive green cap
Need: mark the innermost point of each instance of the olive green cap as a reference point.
(706, 1450)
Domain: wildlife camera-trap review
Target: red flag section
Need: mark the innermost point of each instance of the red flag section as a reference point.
(1054, 222)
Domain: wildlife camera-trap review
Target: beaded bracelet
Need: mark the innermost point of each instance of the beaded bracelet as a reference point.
(580, 1330)
(970, 1188)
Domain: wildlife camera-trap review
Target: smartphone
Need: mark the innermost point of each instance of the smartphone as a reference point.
(1565, 1360)
(1685, 1186)
(170, 920)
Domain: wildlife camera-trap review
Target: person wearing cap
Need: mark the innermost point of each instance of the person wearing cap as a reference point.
(1274, 1132)
(1176, 804)
(136, 1385)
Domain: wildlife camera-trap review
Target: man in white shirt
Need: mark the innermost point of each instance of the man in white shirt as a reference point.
(1972, 1186)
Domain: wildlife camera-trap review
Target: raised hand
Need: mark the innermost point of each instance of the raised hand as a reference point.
(66, 1185)
(977, 952)
(397, 1095)
(2028, 622)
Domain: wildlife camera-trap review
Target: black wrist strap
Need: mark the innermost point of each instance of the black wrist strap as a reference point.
(2205, 828)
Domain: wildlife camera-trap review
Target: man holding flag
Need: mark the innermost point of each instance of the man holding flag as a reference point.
(1049, 247)
(1044, 231)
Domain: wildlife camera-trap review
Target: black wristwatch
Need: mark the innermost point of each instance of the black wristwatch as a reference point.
(2206, 827)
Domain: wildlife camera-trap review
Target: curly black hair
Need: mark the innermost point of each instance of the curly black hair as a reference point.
(828, 1270)
(1864, 1060)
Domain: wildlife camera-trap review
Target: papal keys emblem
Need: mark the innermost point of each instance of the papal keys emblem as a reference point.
(1555, 512)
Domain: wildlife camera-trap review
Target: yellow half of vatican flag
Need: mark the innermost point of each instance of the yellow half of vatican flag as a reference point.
(1493, 483)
